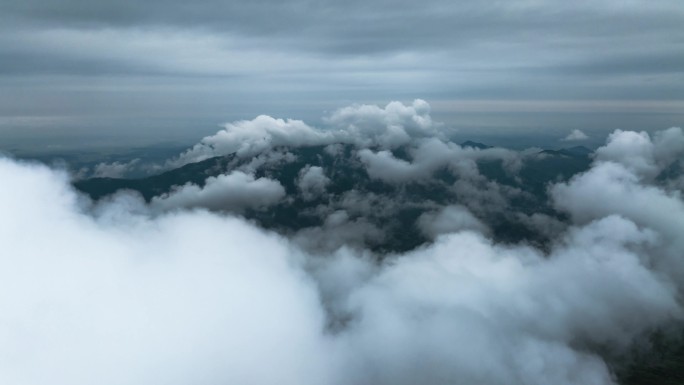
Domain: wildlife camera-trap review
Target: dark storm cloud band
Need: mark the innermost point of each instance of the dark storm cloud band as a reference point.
(587, 38)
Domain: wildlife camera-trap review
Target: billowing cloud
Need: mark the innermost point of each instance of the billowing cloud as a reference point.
(428, 155)
(450, 219)
(231, 192)
(576, 135)
(184, 298)
(250, 137)
(480, 313)
(383, 165)
(645, 157)
(362, 125)
(388, 127)
(615, 185)
(312, 182)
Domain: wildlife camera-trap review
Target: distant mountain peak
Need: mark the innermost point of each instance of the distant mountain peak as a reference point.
(576, 151)
(470, 143)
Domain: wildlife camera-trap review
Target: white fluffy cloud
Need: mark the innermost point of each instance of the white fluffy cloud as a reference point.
(449, 219)
(250, 137)
(394, 125)
(234, 192)
(428, 155)
(466, 310)
(362, 125)
(576, 136)
(312, 181)
(615, 185)
(383, 165)
(640, 154)
(183, 298)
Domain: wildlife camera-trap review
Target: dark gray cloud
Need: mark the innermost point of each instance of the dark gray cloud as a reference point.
(312, 181)
(371, 27)
(246, 58)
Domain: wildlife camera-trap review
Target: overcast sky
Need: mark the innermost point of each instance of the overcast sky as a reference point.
(169, 70)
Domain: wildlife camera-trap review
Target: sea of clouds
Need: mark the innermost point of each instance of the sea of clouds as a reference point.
(122, 291)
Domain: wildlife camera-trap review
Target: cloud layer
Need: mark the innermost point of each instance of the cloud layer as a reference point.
(119, 292)
(362, 125)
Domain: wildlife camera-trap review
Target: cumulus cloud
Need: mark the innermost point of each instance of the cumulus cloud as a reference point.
(231, 192)
(267, 159)
(632, 149)
(669, 146)
(183, 298)
(312, 182)
(614, 185)
(640, 154)
(337, 231)
(362, 125)
(120, 293)
(388, 127)
(383, 165)
(611, 188)
(450, 219)
(250, 137)
(429, 155)
(480, 313)
(575, 136)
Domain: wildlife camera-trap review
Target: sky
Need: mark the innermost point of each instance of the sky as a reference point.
(122, 72)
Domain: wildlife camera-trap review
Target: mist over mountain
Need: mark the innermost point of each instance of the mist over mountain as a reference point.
(315, 182)
(373, 250)
(371, 179)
